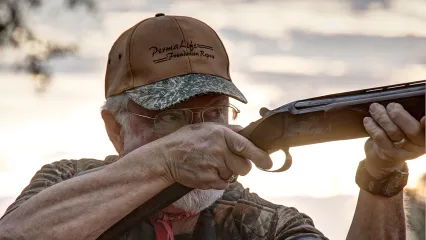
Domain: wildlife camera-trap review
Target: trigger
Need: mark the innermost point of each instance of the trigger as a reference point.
(287, 164)
(288, 160)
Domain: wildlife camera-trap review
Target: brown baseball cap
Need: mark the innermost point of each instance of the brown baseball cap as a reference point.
(164, 60)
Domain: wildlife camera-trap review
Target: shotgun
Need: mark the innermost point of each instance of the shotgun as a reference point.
(315, 120)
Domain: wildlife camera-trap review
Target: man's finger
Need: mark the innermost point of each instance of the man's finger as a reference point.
(413, 148)
(237, 165)
(210, 180)
(377, 134)
(235, 128)
(407, 123)
(380, 115)
(224, 171)
(241, 146)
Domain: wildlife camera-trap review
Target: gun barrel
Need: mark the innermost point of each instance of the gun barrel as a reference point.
(330, 118)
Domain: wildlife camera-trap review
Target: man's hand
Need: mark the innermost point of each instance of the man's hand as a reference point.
(388, 126)
(205, 155)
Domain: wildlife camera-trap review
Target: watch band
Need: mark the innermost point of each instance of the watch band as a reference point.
(390, 186)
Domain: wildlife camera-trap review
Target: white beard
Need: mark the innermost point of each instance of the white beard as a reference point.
(197, 200)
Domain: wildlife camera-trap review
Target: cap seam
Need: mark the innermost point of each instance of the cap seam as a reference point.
(226, 52)
(223, 46)
(128, 51)
(224, 49)
(183, 36)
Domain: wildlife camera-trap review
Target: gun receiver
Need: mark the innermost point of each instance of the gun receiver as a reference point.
(328, 118)
(314, 120)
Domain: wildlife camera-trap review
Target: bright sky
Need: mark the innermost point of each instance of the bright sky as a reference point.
(65, 123)
(280, 52)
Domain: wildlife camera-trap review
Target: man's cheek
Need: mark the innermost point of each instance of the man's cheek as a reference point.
(138, 138)
(164, 130)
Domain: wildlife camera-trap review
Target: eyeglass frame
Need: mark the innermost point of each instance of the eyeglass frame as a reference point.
(192, 120)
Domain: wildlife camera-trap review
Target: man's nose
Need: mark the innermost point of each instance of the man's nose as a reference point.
(197, 118)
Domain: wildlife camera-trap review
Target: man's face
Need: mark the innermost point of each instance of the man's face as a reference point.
(142, 129)
(142, 132)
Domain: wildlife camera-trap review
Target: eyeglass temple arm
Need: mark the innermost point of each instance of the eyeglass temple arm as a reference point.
(140, 115)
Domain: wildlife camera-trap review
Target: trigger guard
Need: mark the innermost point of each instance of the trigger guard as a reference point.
(287, 164)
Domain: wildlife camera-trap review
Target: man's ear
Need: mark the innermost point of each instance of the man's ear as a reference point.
(113, 129)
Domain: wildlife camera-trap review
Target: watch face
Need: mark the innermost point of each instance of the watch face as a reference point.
(395, 184)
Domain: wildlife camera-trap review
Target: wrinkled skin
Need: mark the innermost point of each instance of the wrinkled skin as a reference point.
(201, 155)
(388, 125)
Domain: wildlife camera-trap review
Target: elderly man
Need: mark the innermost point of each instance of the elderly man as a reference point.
(167, 85)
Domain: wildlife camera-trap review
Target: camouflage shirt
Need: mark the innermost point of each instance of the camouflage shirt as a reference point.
(239, 214)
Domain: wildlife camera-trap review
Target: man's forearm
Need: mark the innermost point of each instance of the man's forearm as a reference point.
(84, 207)
(378, 218)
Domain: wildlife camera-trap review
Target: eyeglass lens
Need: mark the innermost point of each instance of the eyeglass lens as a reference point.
(171, 120)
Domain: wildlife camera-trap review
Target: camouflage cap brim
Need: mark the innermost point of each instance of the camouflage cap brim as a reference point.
(164, 94)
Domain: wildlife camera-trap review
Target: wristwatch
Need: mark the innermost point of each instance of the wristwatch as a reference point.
(390, 186)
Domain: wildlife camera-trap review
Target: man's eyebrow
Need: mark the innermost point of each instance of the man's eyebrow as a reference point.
(219, 101)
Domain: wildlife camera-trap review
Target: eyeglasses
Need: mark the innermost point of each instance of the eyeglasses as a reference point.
(171, 120)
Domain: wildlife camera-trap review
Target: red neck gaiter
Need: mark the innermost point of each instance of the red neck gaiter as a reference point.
(162, 223)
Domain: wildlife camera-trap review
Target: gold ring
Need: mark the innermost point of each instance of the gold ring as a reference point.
(400, 144)
(232, 178)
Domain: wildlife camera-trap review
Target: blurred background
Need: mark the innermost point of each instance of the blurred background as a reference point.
(53, 56)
